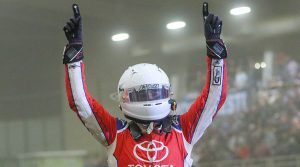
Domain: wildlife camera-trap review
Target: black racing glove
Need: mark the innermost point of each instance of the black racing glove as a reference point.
(216, 48)
(73, 51)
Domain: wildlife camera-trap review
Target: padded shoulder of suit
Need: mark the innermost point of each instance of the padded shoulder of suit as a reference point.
(121, 124)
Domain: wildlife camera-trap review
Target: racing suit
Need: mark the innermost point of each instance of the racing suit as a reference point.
(155, 149)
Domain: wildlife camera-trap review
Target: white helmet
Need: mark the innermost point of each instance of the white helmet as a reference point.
(144, 92)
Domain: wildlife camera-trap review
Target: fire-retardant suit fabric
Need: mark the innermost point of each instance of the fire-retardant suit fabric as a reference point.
(155, 149)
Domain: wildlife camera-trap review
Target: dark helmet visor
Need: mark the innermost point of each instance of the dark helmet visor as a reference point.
(148, 93)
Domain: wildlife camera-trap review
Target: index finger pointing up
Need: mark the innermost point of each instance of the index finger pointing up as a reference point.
(76, 11)
(205, 10)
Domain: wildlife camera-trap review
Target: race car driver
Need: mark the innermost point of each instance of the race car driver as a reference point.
(151, 137)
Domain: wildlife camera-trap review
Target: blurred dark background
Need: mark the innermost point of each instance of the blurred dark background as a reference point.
(260, 120)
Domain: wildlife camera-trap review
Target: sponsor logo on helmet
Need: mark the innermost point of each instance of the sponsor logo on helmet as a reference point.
(151, 151)
(121, 89)
(148, 86)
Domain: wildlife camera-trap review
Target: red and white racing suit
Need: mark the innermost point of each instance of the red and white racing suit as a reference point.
(151, 150)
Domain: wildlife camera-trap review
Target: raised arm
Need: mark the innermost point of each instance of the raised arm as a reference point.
(91, 113)
(200, 115)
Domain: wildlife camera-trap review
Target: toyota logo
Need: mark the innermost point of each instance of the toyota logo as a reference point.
(151, 148)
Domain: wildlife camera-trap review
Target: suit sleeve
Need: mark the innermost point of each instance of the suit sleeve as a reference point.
(202, 112)
(95, 118)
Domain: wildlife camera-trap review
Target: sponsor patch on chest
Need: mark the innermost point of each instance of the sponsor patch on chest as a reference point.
(156, 151)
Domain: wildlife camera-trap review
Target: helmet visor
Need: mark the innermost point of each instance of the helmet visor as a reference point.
(148, 92)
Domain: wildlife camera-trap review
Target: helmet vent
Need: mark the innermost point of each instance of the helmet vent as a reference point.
(158, 103)
(147, 104)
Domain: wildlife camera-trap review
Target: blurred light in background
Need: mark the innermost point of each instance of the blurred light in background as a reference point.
(240, 10)
(120, 37)
(263, 65)
(257, 66)
(260, 65)
(176, 25)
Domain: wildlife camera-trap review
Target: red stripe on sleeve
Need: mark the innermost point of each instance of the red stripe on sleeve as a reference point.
(107, 123)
